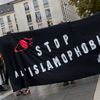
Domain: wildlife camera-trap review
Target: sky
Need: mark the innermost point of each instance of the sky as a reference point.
(4, 1)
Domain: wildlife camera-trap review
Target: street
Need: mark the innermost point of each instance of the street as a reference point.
(84, 89)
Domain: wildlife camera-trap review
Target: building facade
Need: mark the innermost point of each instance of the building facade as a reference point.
(25, 15)
(7, 19)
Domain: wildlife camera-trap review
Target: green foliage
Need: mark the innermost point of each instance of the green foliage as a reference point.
(86, 7)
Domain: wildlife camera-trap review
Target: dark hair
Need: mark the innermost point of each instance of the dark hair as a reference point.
(8, 32)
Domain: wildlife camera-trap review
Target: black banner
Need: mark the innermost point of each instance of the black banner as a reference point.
(59, 53)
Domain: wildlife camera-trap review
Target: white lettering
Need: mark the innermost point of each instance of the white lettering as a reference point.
(70, 54)
(31, 73)
(57, 44)
(65, 37)
(77, 51)
(64, 58)
(56, 61)
(36, 69)
(49, 65)
(39, 51)
(92, 44)
(47, 45)
(43, 69)
(21, 73)
(84, 48)
(98, 39)
(16, 74)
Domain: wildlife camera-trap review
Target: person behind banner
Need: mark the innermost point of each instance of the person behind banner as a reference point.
(1, 86)
(24, 91)
(1, 75)
(67, 82)
(4, 73)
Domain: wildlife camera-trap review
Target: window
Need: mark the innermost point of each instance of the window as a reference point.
(15, 18)
(11, 28)
(29, 19)
(26, 6)
(17, 27)
(3, 30)
(35, 3)
(9, 19)
(40, 25)
(1, 22)
(38, 17)
(31, 28)
(45, 3)
(48, 14)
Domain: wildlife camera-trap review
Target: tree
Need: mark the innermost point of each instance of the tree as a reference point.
(86, 7)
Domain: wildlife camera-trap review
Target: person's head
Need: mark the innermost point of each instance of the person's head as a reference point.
(61, 22)
(8, 32)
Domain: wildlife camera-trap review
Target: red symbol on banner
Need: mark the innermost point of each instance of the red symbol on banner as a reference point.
(23, 45)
